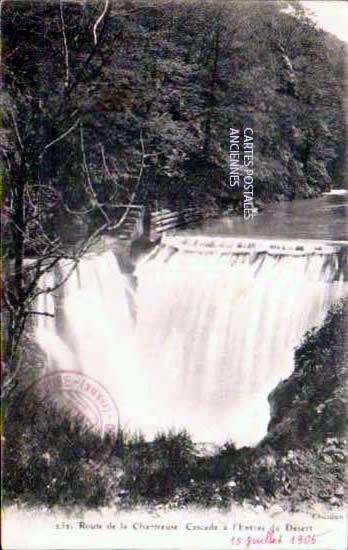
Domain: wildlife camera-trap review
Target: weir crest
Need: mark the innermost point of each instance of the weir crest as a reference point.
(216, 325)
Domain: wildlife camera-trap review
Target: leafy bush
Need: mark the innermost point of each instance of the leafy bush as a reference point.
(312, 403)
(51, 460)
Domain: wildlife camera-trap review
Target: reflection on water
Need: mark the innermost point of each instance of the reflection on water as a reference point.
(325, 218)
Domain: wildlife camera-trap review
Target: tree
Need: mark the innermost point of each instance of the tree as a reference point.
(54, 59)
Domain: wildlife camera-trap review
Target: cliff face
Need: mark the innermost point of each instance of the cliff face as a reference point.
(312, 403)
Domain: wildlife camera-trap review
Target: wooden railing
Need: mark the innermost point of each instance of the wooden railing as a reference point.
(160, 221)
(163, 220)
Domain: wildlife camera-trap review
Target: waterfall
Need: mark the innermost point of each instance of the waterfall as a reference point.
(216, 326)
(97, 333)
(218, 321)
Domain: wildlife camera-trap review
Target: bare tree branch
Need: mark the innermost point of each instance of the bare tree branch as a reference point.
(93, 194)
(65, 42)
(139, 178)
(109, 174)
(99, 20)
(136, 10)
(16, 128)
(45, 314)
(62, 136)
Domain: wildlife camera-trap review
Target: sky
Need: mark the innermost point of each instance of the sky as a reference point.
(332, 16)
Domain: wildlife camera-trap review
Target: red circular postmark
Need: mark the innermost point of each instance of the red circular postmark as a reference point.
(81, 397)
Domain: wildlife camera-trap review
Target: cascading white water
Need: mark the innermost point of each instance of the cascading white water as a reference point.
(217, 324)
(218, 320)
(97, 338)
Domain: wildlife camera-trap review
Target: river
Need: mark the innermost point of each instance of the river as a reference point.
(324, 218)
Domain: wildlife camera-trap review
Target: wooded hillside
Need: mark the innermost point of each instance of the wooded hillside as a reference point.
(108, 102)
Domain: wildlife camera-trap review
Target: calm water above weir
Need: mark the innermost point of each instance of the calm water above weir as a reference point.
(325, 218)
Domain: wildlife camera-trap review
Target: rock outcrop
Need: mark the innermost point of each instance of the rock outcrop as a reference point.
(301, 462)
(311, 405)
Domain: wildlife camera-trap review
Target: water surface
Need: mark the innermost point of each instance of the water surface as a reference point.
(324, 218)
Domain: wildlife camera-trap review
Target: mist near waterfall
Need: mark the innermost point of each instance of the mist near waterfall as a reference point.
(216, 325)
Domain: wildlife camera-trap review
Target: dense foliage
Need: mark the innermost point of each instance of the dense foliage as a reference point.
(312, 403)
(158, 86)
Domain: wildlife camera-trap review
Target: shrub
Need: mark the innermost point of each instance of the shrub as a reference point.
(51, 460)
